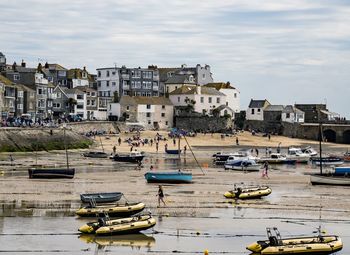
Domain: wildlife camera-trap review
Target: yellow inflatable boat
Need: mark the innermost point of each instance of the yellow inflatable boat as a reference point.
(131, 240)
(133, 224)
(248, 192)
(116, 210)
(302, 245)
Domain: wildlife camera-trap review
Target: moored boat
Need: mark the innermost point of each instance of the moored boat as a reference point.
(119, 226)
(51, 173)
(173, 152)
(248, 192)
(95, 154)
(221, 158)
(116, 210)
(242, 165)
(104, 197)
(169, 177)
(277, 158)
(330, 160)
(132, 157)
(297, 155)
(309, 150)
(321, 244)
(330, 179)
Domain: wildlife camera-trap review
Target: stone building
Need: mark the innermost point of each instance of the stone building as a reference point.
(256, 108)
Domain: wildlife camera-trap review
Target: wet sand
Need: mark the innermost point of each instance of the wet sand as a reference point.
(190, 207)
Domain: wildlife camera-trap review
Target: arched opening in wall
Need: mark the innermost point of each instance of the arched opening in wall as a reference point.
(346, 137)
(329, 135)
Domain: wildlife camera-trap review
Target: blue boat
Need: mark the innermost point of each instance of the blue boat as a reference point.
(174, 152)
(341, 171)
(169, 177)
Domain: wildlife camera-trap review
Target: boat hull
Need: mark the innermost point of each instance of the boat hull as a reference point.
(128, 159)
(318, 179)
(115, 210)
(95, 155)
(168, 177)
(132, 240)
(249, 193)
(252, 168)
(101, 197)
(51, 173)
(173, 152)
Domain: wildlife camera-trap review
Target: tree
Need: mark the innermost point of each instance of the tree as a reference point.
(216, 112)
(240, 119)
(71, 103)
(190, 104)
(115, 97)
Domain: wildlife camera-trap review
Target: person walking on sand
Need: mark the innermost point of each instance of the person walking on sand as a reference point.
(114, 150)
(265, 170)
(151, 168)
(257, 152)
(237, 141)
(160, 195)
(119, 141)
(185, 149)
(157, 146)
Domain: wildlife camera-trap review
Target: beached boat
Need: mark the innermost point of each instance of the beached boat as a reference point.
(277, 158)
(221, 158)
(330, 179)
(321, 244)
(132, 157)
(51, 173)
(95, 154)
(116, 210)
(169, 177)
(248, 192)
(297, 155)
(173, 152)
(131, 240)
(106, 197)
(242, 165)
(330, 160)
(309, 150)
(119, 226)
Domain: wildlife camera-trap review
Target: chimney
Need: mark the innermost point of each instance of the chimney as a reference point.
(199, 89)
(23, 63)
(14, 66)
(46, 65)
(84, 68)
(40, 67)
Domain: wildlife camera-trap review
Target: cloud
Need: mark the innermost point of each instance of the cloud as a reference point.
(263, 47)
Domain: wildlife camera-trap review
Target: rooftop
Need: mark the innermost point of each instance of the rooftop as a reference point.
(191, 90)
(258, 103)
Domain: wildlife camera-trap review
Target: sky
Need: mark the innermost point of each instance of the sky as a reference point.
(286, 51)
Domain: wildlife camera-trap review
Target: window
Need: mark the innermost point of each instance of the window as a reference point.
(80, 97)
(56, 105)
(288, 115)
(99, 73)
(93, 94)
(202, 99)
(49, 103)
(166, 123)
(259, 110)
(163, 114)
(203, 76)
(113, 73)
(178, 99)
(127, 108)
(107, 83)
(218, 100)
(149, 122)
(113, 83)
(84, 75)
(209, 100)
(148, 114)
(88, 102)
(16, 77)
(88, 93)
(235, 95)
(253, 111)
(163, 107)
(226, 103)
(148, 106)
(99, 83)
(93, 102)
(20, 94)
(147, 75)
(107, 73)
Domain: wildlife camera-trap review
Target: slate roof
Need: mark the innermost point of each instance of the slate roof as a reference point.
(84, 88)
(76, 73)
(291, 109)
(57, 67)
(257, 103)
(5, 81)
(274, 108)
(128, 100)
(219, 85)
(190, 90)
(179, 79)
(72, 91)
(223, 106)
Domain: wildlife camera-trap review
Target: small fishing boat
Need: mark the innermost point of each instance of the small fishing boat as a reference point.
(119, 226)
(309, 150)
(169, 177)
(174, 152)
(51, 173)
(297, 155)
(321, 244)
(242, 165)
(131, 240)
(248, 192)
(95, 154)
(132, 157)
(330, 160)
(277, 158)
(342, 171)
(330, 179)
(221, 158)
(107, 197)
(116, 210)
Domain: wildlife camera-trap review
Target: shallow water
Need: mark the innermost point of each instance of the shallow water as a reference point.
(32, 227)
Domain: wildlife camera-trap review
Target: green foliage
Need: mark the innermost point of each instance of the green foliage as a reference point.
(116, 97)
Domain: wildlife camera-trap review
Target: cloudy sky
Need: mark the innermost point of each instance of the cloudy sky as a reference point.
(288, 51)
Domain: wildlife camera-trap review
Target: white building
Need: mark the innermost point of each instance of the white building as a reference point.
(256, 108)
(232, 95)
(292, 114)
(107, 84)
(203, 99)
(80, 98)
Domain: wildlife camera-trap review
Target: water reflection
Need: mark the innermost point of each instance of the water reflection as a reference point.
(133, 240)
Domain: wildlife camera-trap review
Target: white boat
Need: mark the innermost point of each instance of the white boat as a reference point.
(298, 155)
(325, 179)
(309, 150)
(276, 158)
(222, 158)
(242, 165)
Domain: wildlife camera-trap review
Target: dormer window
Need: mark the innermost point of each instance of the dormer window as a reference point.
(84, 75)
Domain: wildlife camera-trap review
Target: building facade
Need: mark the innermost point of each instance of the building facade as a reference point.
(292, 114)
(255, 109)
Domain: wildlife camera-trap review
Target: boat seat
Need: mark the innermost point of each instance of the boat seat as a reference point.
(273, 241)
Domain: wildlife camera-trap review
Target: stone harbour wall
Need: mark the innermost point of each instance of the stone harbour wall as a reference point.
(205, 123)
